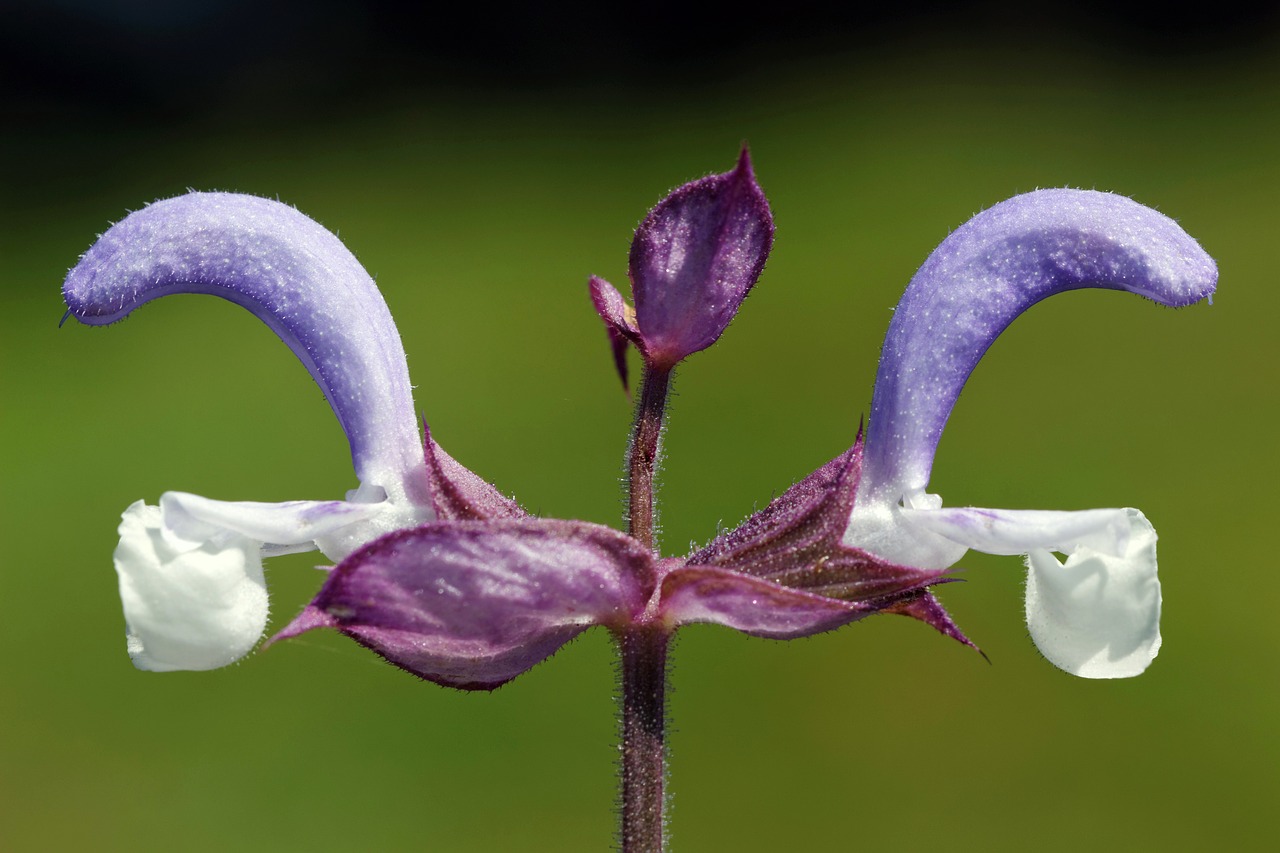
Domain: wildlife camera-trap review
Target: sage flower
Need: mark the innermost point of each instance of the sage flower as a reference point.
(1097, 613)
(443, 576)
(190, 568)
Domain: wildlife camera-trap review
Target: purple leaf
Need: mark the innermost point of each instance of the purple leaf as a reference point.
(693, 260)
(474, 604)
(752, 605)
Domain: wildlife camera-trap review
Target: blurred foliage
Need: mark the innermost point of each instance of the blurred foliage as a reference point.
(481, 213)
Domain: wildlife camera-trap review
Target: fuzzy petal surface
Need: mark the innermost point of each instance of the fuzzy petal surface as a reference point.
(986, 273)
(296, 277)
(335, 528)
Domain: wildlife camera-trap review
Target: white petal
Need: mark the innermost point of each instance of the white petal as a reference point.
(1096, 615)
(189, 604)
(190, 570)
(335, 527)
(1018, 531)
(885, 529)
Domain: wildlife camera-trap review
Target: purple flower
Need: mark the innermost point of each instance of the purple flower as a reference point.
(190, 568)
(442, 576)
(1096, 614)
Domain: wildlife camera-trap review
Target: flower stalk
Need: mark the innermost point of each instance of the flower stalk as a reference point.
(643, 652)
(642, 462)
(642, 648)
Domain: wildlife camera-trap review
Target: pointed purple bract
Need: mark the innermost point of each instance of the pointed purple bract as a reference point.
(985, 274)
(293, 275)
(693, 260)
(474, 604)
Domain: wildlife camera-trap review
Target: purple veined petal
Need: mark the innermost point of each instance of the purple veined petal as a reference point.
(926, 608)
(807, 518)
(1095, 614)
(693, 260)
(474, 604)
(984, 275)
(293, 275)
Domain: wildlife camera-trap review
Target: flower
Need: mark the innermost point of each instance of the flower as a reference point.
(190, 569)
(441, 575)
(1097, 614)
(474, 604)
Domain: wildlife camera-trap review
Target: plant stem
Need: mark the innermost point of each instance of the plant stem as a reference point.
(643, 647)
(646, 435)
(644, 747)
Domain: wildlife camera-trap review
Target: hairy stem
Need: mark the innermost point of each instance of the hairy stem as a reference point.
(643, 647)
(646, 436)
(644, 748)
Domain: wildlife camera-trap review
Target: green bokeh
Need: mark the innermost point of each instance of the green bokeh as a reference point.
(481, 220)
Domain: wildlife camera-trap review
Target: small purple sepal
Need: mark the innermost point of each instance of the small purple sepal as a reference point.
(693, 260)
(619, 323)
(458, 494)
(473, 604)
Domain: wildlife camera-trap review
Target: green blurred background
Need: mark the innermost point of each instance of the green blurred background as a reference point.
(481, 172)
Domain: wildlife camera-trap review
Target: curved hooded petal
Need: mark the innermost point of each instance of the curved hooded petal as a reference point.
(1096, 614)
(975, 283)
(297, 278)
(474, 604)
